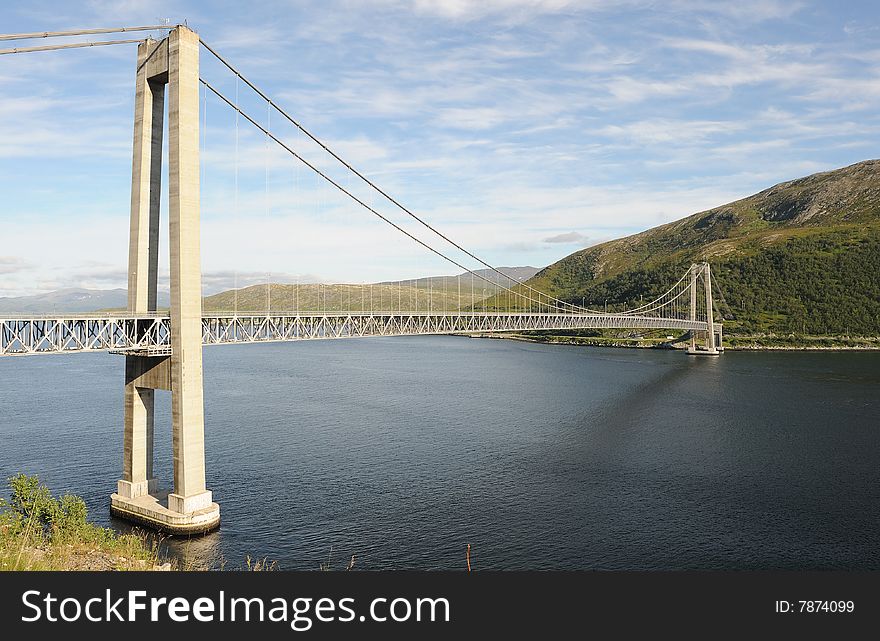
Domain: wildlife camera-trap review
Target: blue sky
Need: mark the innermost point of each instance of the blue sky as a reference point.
(524, 129)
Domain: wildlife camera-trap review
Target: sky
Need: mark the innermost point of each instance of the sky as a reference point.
(523, 129)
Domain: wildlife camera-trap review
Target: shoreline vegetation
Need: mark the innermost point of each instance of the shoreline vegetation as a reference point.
(41, 532)
(734, 342)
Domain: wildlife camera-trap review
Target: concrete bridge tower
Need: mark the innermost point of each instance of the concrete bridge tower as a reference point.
(168, 66)
(713, 330)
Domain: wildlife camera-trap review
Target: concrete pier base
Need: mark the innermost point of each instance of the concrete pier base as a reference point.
(132, 490)
(695, 351)
(150, 510)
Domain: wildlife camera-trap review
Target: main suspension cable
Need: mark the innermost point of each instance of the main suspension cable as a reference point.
(374, 186)
(378, 214)
(564, 304)
(82, 32)
(655, 304)
(74, 45)
(341, 188)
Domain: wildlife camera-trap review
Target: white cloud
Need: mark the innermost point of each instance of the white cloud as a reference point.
(12, 264)
(658, 130)
(477, 9)
(568, 238)
(744, 12)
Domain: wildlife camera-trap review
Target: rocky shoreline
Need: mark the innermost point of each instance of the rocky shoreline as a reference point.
(644, 344)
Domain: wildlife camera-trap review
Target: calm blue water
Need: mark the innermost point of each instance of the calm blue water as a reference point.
(403, 450)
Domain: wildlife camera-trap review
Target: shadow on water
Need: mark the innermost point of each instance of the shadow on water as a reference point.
(620, 411)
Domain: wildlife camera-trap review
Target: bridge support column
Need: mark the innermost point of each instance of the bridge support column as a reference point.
(189, 508)
(137, 449)
(710, 330)
(693, 316)
(187, 404)
(710, 349)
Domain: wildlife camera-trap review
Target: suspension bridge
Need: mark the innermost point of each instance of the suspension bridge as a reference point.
(163, 350)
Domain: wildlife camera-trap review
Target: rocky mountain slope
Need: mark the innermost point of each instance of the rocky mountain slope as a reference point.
(800, 257)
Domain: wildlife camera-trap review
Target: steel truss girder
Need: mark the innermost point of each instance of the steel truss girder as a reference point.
(152, 334)
(44, 335)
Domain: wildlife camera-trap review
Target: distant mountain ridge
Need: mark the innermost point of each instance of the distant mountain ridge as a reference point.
(518, 274)
(72, 300)
(801, 256)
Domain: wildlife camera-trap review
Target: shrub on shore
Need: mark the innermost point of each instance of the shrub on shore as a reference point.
(39, 531)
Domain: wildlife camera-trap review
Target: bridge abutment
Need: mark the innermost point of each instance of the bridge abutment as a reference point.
(189, 508)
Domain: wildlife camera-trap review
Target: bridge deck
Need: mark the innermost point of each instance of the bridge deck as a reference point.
(151, 334)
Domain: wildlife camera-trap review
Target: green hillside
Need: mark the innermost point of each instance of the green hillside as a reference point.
(800, 257)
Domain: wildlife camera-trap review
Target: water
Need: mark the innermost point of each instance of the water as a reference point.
(403, 450)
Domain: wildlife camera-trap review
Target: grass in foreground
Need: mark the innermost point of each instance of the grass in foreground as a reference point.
(41, 532)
